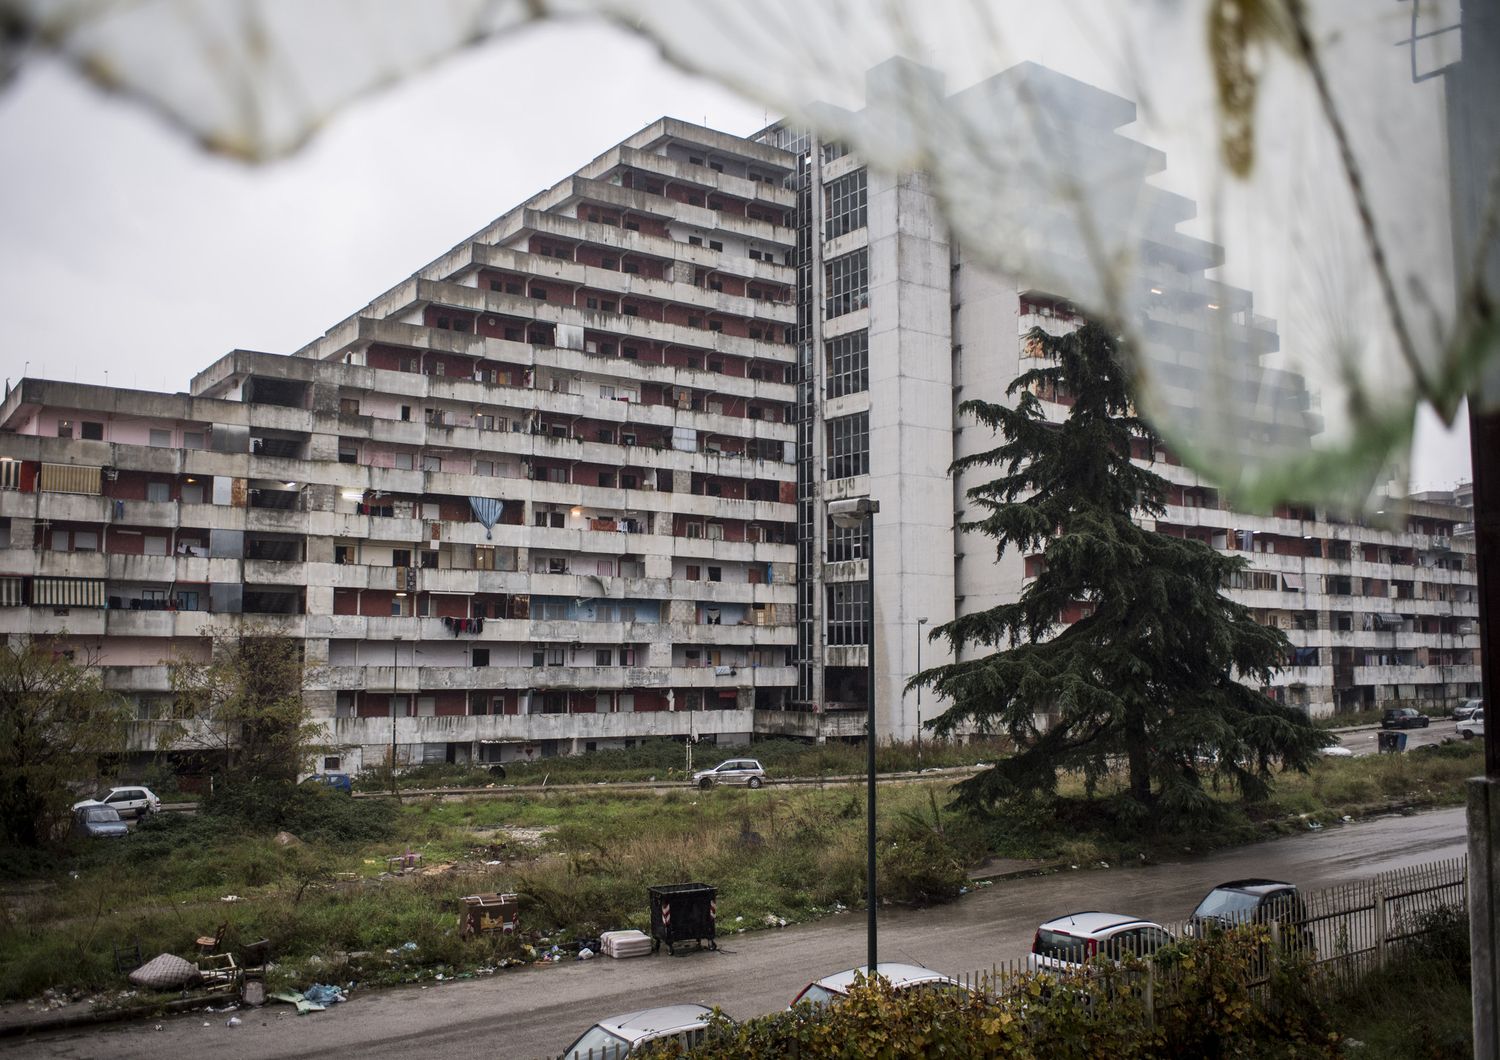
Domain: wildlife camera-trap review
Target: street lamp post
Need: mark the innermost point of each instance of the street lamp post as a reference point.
(395, 683)
(920, 623)
(850, 515)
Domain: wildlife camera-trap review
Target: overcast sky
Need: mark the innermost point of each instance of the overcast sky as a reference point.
(131, 257)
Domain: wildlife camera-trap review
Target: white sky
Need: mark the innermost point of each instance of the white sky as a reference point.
(130, 257)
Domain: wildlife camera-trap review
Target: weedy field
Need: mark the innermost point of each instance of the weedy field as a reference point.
(308, 869)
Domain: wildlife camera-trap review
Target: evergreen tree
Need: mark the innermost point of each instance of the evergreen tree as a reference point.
(1151, 675)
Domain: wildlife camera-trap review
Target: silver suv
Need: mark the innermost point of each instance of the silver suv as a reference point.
(746, 771)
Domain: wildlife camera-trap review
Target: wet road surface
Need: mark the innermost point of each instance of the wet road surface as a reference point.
(529, 1012)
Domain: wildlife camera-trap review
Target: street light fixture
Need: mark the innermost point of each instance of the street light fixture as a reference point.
(920, 623)
(851, 515)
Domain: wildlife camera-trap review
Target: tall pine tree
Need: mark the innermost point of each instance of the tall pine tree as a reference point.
(1151, 676)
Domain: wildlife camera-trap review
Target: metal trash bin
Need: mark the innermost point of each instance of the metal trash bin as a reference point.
(1390, 742)
(681, 912)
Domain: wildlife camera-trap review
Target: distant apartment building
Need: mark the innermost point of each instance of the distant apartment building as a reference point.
(566, 487)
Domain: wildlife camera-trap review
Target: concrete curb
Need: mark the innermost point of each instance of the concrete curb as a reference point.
(46, 1025)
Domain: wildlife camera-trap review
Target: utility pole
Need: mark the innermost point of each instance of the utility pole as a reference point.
(1472, 87)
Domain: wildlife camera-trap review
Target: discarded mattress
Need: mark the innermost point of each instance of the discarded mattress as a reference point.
(166, 972)
(619, 944)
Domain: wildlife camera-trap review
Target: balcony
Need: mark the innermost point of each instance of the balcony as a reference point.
(533, 728)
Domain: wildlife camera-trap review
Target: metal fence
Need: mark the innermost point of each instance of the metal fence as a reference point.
(1342, 932)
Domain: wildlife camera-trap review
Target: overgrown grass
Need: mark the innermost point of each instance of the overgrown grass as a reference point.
(581, 862)
(1422, 1004)
(664, 759)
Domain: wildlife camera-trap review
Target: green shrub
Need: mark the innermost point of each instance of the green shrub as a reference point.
(1202, 1003)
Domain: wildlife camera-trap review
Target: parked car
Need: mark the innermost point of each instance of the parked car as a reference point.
(1252, 901)
(127, 802)
(746, 771)
(1404, 718)
(1465, 710)
(1472, 726)
(1065, 943)
(336, 781)
(618, 1036)
(94, 820)
(901, 977)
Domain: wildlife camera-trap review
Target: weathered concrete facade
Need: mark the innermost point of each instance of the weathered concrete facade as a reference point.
(566, 486)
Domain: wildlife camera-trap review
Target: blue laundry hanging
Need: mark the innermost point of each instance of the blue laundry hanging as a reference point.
(486, 511)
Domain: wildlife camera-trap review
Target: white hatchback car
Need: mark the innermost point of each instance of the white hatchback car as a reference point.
(746, 771)
(127, 802)
(1064, 944)
(618, 1036)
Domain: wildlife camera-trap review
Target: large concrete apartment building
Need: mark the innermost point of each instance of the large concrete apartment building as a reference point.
(565, 487)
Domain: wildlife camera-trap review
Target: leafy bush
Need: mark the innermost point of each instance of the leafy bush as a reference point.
(311, 812)
(1202, 1004)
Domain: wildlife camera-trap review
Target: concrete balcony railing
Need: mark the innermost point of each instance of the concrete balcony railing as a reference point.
(535, 728)
(125, 623)
(71, 564)
(442, 678)
(1415, 675)
(136, 678)
(75, 621)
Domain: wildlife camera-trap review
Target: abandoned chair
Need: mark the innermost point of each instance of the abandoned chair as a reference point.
(210, 944)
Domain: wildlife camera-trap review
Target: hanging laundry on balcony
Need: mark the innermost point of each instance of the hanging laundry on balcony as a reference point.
(460, 626)
(487, 511)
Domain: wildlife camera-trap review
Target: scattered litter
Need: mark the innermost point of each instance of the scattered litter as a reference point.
(772, 920)
(738, 919)
(1314, 826)
(157, 1027)
(231, 898)
(585, 954)
(1104, 864)
(1347, 818)
(322, 994)
(409, 946)
(232, 1021)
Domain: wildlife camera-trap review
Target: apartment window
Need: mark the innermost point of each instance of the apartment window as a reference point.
(406, 412)
(844, 204)
(846, 613)
(848, 364)
(192, 439)
(847, 543)
(403, 461)
(343, 554)
(693, 572)
(65, 428)
(714, 244)
(94, 432)
(158, 491)
(432, 463)
(694, 241)
(429, 558)
(849, 445)
(716, 574)
(555, 657)
(160, 439)
(606, 392)
(604, 657)
(848, 284)
(86, 541)
(400, 557)
(716, 531)
(484, 557)
(539, 293)
(479, 657)
(607, 262)
(607, 479)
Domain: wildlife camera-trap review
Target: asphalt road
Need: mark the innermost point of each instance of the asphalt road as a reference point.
(1363, 742)
(529, 1012)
